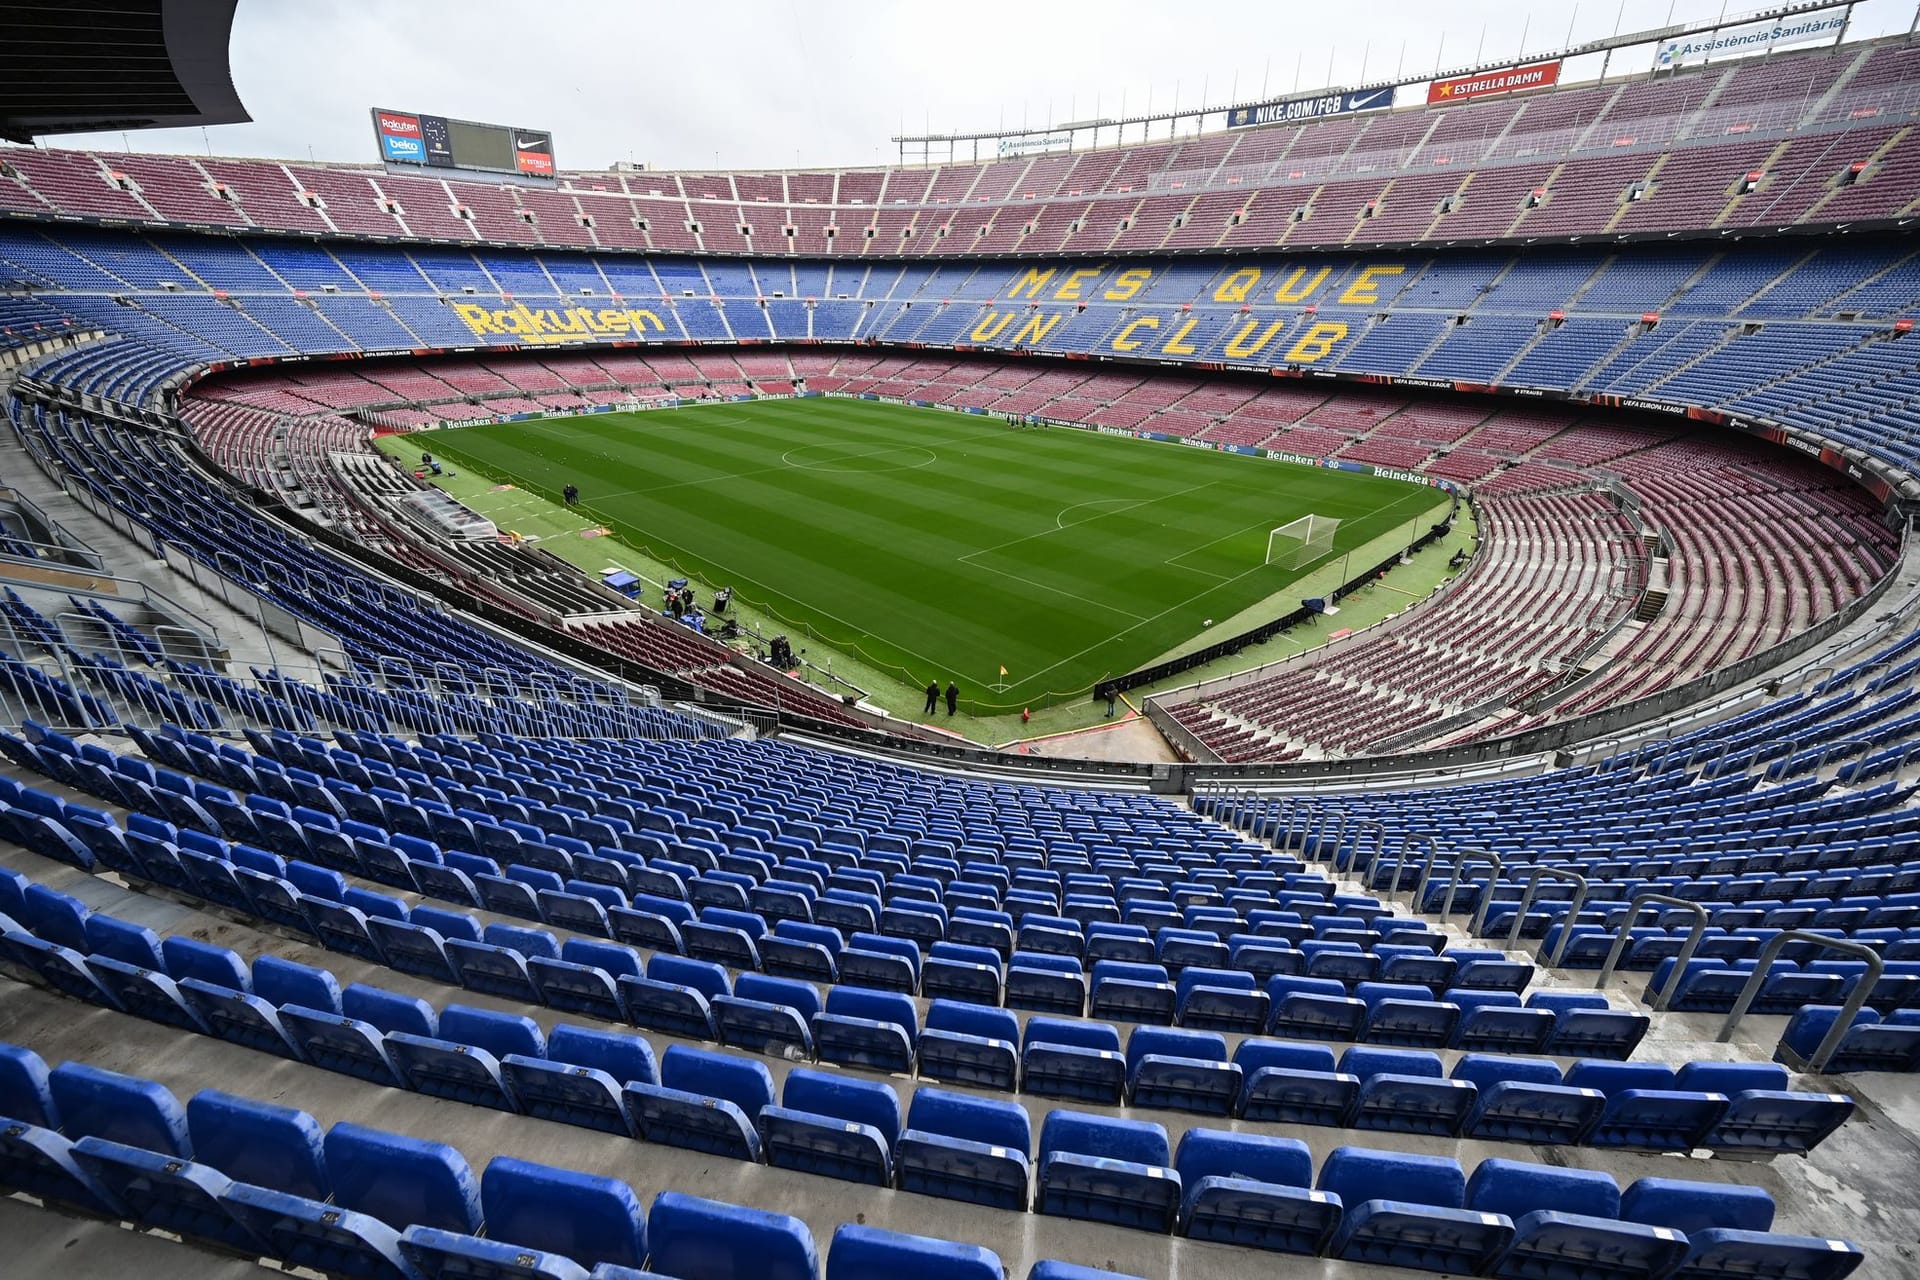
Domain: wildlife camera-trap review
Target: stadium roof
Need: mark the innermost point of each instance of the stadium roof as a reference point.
(76, 66)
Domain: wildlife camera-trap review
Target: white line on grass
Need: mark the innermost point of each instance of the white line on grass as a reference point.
(1098, 604)
(1195, 596)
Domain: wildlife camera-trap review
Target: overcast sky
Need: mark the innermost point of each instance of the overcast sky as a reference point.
(785, 83)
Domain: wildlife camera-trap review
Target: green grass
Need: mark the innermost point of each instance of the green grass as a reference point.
(935, 545)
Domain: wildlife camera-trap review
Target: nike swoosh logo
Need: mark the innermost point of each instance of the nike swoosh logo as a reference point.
(528, 144)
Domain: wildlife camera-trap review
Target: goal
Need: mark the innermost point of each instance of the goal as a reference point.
(1298, 543)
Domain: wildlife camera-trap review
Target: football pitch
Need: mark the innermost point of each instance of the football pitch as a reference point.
(938, 545)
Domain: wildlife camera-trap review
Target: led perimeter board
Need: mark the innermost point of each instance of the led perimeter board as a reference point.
(437, 142)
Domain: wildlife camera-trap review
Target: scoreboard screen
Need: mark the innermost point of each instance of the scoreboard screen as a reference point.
(435, 141)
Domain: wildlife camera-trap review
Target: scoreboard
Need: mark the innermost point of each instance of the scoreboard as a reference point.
(438, 142)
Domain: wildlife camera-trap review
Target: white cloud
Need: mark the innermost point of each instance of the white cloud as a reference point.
(786, 83)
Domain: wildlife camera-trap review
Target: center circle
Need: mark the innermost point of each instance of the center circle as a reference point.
(836, 457)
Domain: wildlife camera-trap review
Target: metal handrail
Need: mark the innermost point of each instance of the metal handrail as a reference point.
(1862, 745)
(1362, 826)
(1426, 869)
(1635, 905)
(1875, 967)
(1300, 820)
(1574, 878)
(1900, 768)
(1324, 819)
(1486, 896)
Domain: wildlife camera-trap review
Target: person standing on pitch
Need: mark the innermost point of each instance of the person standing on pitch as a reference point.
(933, 696)
(1111, 693)
(953, 697)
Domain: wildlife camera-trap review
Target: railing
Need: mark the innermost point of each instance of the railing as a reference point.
(1635, 905)
(1580, 887)
(1824, 1052)
(1486, 896)
(1400, 869)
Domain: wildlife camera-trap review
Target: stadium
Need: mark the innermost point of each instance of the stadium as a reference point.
(1321, 683)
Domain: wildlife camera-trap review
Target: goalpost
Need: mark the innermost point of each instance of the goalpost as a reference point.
(1300, 542)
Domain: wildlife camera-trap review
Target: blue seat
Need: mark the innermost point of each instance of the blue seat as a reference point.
(412, 948)
(1696, 1206)
(959, 971)
(145, 993)
(1644, 1109)
(24, 1091)
(1404, 1090)
(970, 1044)
(1254, 1191)
(576, 987)
(1211, 1001)
(339, 1043)
(1585, 1027)
(282, 982)
(1099, 1169)
(1314, 1009)
(1068, 1058)
(1181, 1071)
(341, 928)
(722, 944)
(1293, 1083)
(1763, 1117)
(62, 968)
(401, 1181)
(1131, 992)
(705, 1101)
(866, 1028)
(190, 958)
(960, 1147)
(445, 1068)
(834, 1126)
(694, 1239)
(768, 1015)
(324, 1237)
(1720, 1253)
(41, 1163)
(1049, 1269)
(1869, 1043)
(59, 918)
(624, 1057)
(591, 1219)
(239, 1018)
(638, 926)
(806, 959)
(1407, 1210)
(1523, 1100)
(569, 1094)
(880, 962)
(120, 1108)
(667, 1007)
(1404, 1014)
(259, 1144)
(869, 1253)
(389, 1010)
(1496, 1022)
(165, 1193)
(450, 1255)
(1565, 1223)
(1037, 988)
(128, 943)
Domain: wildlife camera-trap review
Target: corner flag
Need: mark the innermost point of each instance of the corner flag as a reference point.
(1003, 670)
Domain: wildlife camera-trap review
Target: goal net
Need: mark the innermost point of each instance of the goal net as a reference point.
(1298, 543)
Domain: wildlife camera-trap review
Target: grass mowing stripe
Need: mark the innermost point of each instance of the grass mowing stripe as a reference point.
(937, 544)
